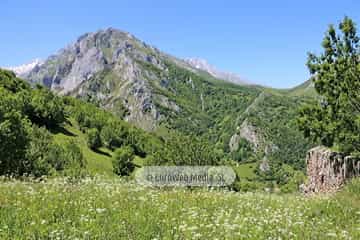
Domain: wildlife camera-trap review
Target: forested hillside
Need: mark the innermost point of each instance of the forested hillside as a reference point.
(43, 134)
(49, 134)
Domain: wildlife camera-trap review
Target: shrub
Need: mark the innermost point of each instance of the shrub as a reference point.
(248, 186)
(10, 82)
(75, 163)
(39, 163)
(46, 108)
(122, 161)
(93, 138)
(294, 182)
(14, 139)
(44, 157)
(244, 152)
(113, 134)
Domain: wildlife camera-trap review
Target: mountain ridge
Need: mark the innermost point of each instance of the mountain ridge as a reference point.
(158, 92)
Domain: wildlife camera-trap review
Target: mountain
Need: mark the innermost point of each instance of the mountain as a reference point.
(24, 69)
(305, 89)
(203, 65)
(160, 93)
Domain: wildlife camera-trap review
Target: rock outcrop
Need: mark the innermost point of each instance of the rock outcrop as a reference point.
(264, 165)
(248, 132)
(328, 170)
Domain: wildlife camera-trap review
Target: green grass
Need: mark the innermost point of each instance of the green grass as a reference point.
(246, 170)
(97, 162)
(138, 161)
(112, 209)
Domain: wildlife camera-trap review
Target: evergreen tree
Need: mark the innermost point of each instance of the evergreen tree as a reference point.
(335, 119)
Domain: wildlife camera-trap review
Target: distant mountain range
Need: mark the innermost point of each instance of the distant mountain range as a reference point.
(24, 69)
(159, 92)
(202, 64)
(198, 63)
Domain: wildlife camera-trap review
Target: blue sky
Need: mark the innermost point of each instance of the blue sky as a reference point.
(263, 41)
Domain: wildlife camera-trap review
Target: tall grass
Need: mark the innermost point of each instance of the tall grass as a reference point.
(101, 208)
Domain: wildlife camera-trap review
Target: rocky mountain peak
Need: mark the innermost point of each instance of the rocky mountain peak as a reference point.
(90, 54)
(107, 66)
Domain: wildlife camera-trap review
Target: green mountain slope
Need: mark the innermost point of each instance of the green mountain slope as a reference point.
(158, 93)
(304, 89)
(44, 134)
(98, 162)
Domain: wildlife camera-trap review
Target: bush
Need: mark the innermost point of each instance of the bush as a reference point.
(14, 139)
(113, 134)
(248, 186)
(93, 139)
(75, 164)
(122, 161)
(87, 115)
(294, 182)
(44, 157)
(46, 108)
(56, 157)
(244, 152)
(39, 163)
(10, 82)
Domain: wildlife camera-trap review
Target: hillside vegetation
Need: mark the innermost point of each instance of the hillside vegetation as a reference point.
(96, 133)
(162, 94)
(43, 134)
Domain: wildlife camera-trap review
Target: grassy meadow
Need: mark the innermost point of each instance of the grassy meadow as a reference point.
(109, 208)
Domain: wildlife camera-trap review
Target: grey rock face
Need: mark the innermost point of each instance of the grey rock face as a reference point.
(264, 165)
(165, 102)
(234, 142)
(83, 68)
(106, 66)
(249, 133)
(80, 61)
(259, 144)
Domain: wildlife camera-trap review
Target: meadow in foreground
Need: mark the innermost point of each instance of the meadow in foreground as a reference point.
(112, 209)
